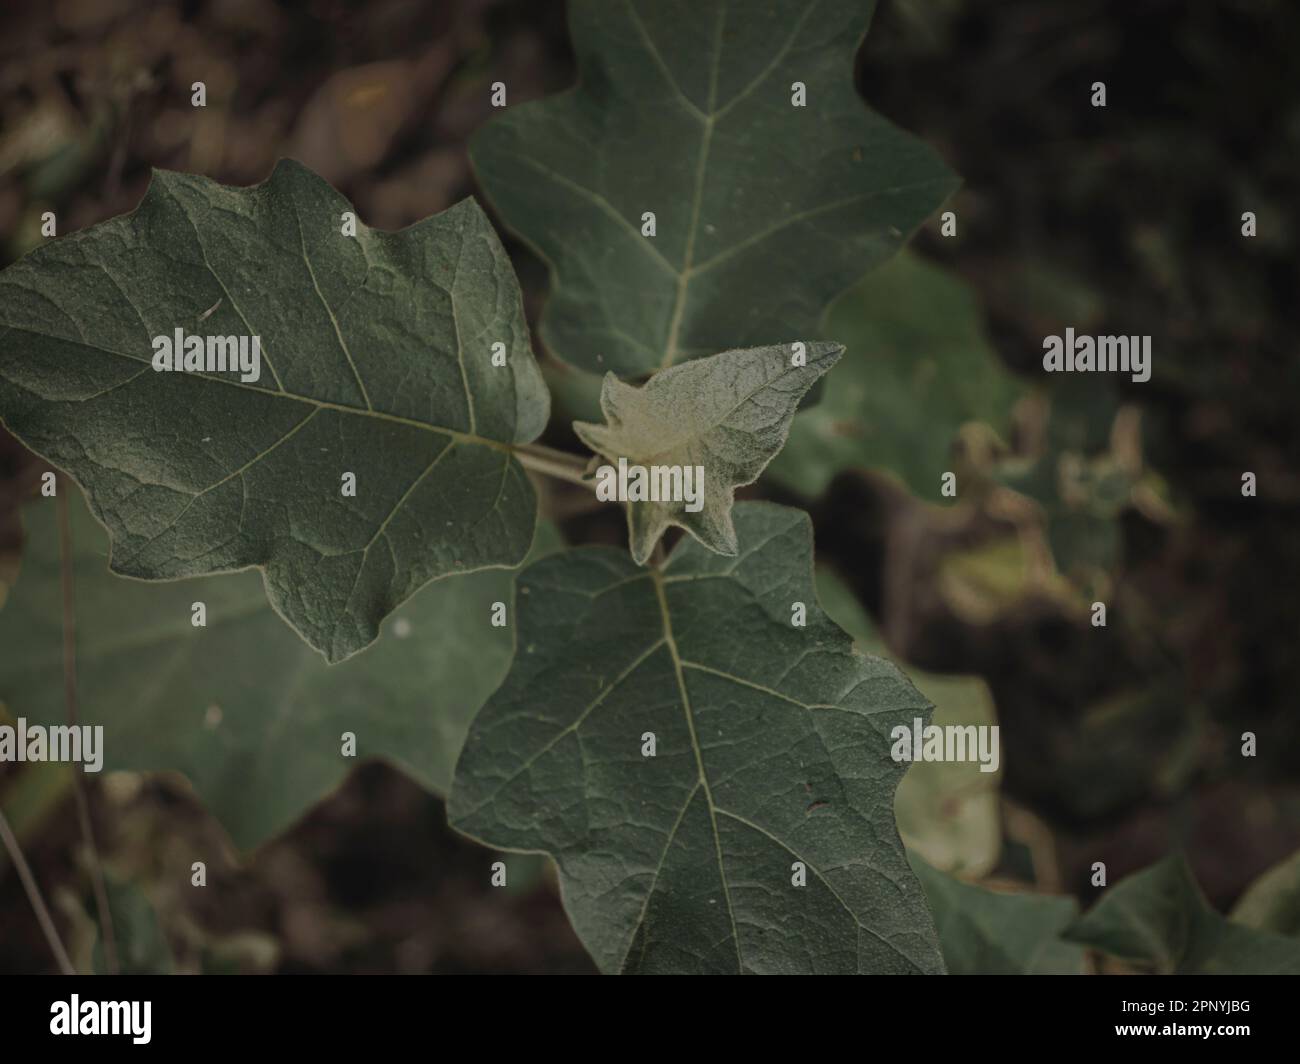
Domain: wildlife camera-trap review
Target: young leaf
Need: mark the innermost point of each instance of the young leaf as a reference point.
(771, 763)
(376, 362)
(919, 367)
(764, 210)
(726, 415)
(1158, 918)
(242, 707)
(985, 932)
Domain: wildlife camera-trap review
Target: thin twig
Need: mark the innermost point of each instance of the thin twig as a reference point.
(107, 935)
(34, 896)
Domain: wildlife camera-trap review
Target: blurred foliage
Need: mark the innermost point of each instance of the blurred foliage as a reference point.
(999, 932)
(917, 370)
(217, 708)
(1159, 921)
(1272, 902)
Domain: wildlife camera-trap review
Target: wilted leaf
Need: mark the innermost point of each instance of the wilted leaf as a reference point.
(990, 579)
(243, 708)
(764, 211)
(1158, 918)
(726, 415)
(376, 362)
(985, 932)
(918, 367)
(1079, 477)
(772, 752)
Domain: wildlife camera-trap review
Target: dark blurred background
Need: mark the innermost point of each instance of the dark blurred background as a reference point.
(1119, 743)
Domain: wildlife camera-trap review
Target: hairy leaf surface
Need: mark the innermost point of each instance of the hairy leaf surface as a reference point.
(764, 211)
(242, 707)
(376, 361)
(727, 415)
(772, 748)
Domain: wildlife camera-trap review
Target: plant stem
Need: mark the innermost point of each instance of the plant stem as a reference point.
(34, 896)
(70, 699)
(559, 464)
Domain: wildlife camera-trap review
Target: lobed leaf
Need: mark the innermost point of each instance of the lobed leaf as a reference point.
(726, 416)
(376, 362)
(764, 211)
(771, 747)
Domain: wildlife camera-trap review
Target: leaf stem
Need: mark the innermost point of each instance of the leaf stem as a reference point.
(107, 936)
(33, 892)
(559, 464)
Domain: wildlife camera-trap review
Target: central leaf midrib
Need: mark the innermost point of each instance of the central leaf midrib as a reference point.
(322, 404)
(671, 644)
(715, 810)
(706, 139)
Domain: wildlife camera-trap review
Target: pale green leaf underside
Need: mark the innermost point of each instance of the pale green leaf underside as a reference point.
(1159, 919)
(984, 932)
(772, 747)
(244, 708)
(376, 361)
(764, 211)
(727, 415)
(918, 367)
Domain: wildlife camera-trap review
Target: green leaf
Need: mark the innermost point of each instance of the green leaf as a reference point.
(1158, 919)
(726, 415)
(376, 362)
(919, 367)
(947, 811)
(764, 211)
(1272, 902)
(142, 948)
(985, 932)
(772, 747)
(243, 708)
